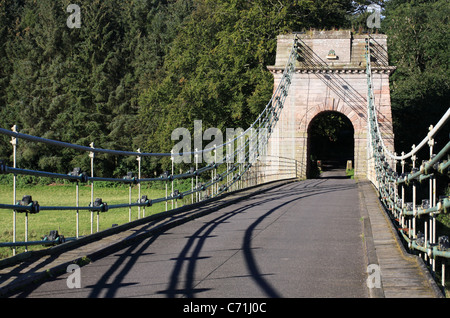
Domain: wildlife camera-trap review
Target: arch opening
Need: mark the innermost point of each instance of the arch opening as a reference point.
(330, 142)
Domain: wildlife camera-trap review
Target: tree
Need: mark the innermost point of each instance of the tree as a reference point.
(81, 85)
(216, 68)
(419, 45)
(9, 11)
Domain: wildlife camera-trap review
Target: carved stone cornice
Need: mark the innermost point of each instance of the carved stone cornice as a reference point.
(334, 70)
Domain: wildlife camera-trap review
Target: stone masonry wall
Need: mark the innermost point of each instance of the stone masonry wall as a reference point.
(331, 83)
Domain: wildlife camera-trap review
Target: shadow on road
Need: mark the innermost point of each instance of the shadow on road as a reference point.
(195, 243)
(182, 282)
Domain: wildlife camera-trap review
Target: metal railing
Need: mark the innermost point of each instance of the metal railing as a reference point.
(245, 166)
(398, 190)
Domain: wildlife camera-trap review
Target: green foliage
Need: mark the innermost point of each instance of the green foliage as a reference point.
(419, 45)
(138, 69)
(350, 173)
(329, 126)
(216, 69)
(80, 85)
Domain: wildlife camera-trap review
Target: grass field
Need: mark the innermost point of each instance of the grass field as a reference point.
(65, 221)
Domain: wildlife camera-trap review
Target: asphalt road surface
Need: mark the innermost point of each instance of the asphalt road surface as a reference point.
(299, 240)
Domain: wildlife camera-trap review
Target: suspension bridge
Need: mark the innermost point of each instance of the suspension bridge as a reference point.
(250, 224)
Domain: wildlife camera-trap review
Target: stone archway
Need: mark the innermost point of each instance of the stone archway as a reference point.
(330, 142)
(320, 84)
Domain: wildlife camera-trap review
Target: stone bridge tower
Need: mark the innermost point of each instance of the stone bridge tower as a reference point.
(330, 76)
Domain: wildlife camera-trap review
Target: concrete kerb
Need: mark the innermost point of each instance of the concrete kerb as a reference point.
(166, 220)
(371, 254)
(370, 248)
(437, 291)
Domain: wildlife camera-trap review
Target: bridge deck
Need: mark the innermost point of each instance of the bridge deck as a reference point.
(296, 240)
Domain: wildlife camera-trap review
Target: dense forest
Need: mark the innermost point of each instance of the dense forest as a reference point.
(137, 69)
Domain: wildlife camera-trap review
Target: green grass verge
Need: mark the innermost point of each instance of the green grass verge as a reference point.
(65, 221)
(350, 173)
